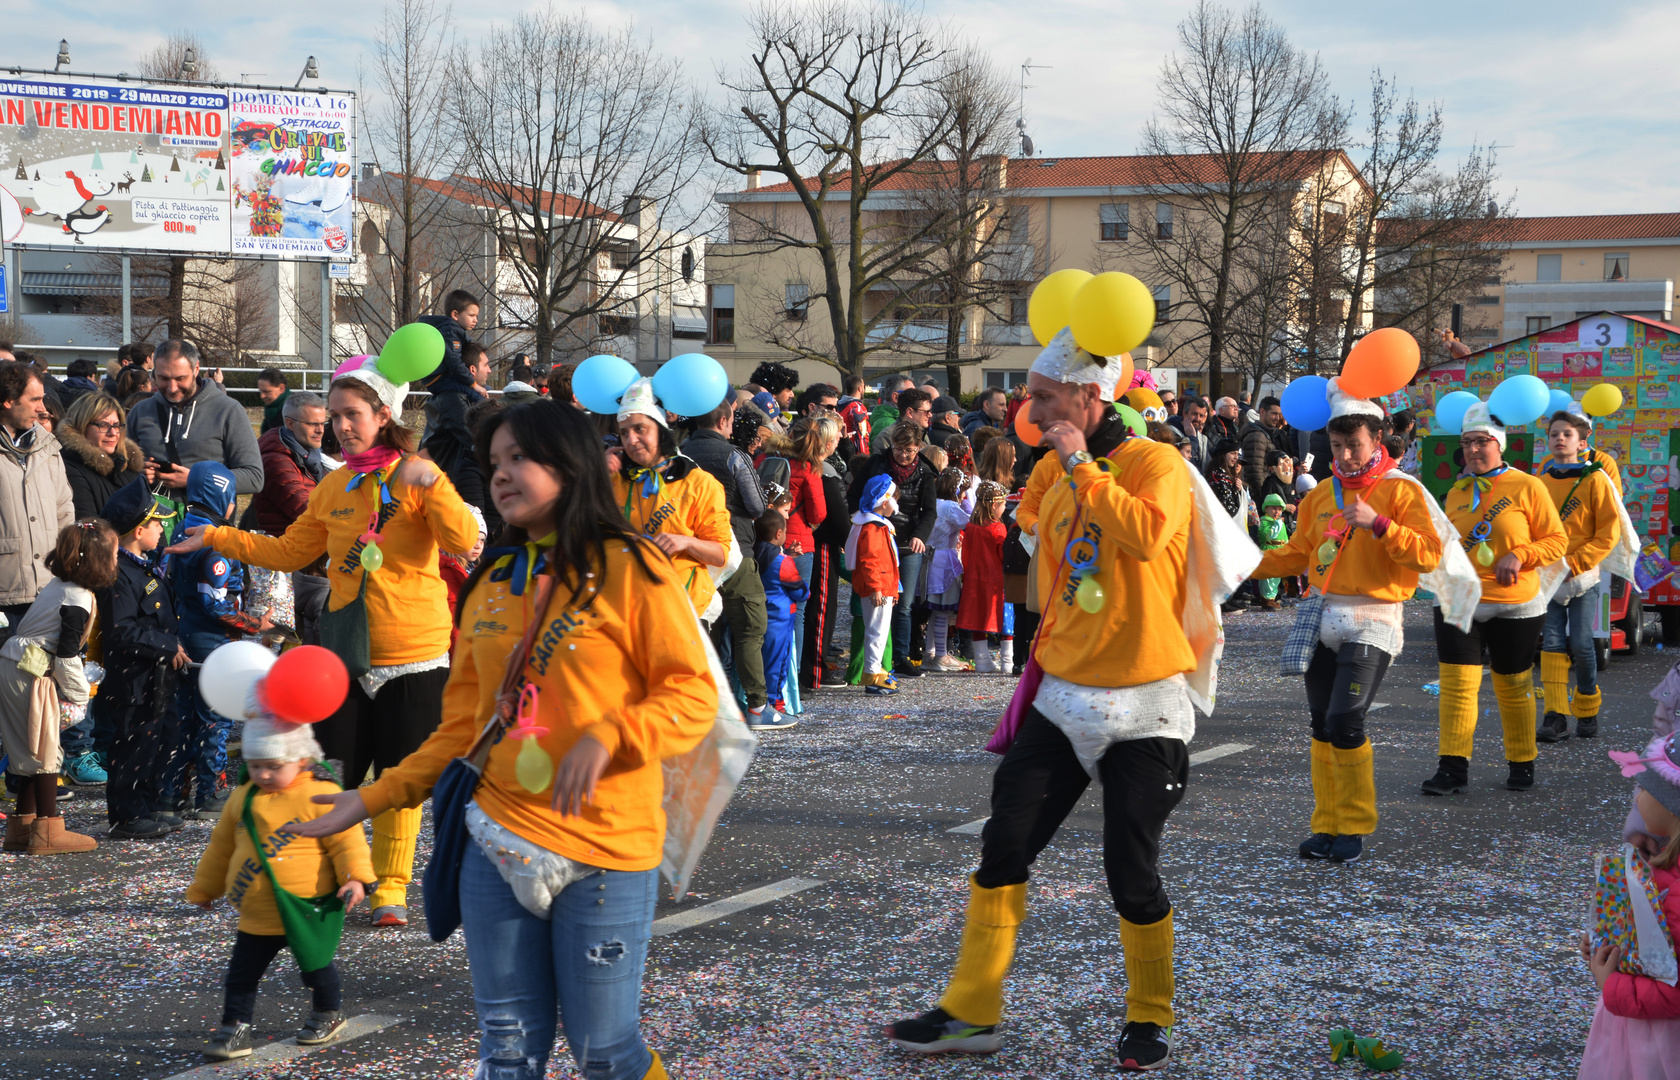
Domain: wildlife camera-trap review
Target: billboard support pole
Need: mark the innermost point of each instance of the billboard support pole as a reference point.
(127, 301)
(326, 324)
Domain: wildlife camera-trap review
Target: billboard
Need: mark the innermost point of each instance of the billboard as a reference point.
(111, 163)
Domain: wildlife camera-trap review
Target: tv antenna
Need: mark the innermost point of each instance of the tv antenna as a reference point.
(1027, 66)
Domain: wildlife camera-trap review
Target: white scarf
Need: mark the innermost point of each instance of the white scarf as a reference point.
(859, 520)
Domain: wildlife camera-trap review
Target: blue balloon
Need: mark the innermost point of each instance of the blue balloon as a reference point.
(1559, 403)
(600, 381)
(1306, 404)
(1519, 400)
(692, 384)
(1450, 410)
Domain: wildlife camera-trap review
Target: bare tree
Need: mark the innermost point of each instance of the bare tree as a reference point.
(584, 144)
(1235, 133)
(843, 102)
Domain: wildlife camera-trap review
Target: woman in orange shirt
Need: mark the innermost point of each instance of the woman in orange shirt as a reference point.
(558, 884)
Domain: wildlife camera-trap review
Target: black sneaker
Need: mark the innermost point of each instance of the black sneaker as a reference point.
(1521, 777)
(139, 829)
(831, 680)
(1346, 849)
(210, 809)
(230, 1041)
(908, 671)
(938, 1032)
(175, 821)
(1317, 846)
(321, 1027)
(1554, 727)
(1586, 727)
(1452, 777)
(1144, 1047)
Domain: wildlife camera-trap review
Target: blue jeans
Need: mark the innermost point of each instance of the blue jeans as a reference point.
(77, 739)
(909, 574)
(587, 961)
(1568, 629)
(204, 734)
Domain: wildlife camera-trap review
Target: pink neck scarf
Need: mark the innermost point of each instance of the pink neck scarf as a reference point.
(372, 460)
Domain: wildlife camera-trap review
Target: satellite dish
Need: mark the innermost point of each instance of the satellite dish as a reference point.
(1026, 145)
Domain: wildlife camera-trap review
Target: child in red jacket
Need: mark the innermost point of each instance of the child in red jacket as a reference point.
(980, 611)
(872, 557)
(1636, 1029)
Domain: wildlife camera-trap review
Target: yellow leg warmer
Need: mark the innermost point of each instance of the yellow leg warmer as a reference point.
(656, 1071)
(1554, 675)
(975, 994)
(1460, 683)
(1356, 791)
(1324, 789)
(1515, 694)
(394, 834)
(1586, 706)
(1149, 971)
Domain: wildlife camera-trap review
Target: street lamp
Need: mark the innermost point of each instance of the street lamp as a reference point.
(63, 54)
(310, 71)
(189, 64)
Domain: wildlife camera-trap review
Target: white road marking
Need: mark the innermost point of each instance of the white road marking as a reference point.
(1201, 757)
(682, 920)
(287, 1049)
(1378, 705)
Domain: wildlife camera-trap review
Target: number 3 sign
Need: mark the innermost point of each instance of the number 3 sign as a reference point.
(1604, 332)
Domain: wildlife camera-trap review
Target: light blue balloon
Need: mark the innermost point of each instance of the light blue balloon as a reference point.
(1559, 402)
(600, 381)
(1306, 404)
(692, 384)
(1450, 410)
(1519, 400)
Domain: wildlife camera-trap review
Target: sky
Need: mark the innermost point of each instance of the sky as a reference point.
(1581, 101)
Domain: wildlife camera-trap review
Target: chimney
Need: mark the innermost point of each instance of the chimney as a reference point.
(369, 170)
(752, 179)
(995, 176)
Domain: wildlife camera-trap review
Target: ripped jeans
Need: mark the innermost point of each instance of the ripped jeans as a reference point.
(583, 969)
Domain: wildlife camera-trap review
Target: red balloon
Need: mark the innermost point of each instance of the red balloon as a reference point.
(306, 685)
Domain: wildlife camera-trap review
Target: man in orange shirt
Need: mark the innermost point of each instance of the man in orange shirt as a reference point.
(1113, 517)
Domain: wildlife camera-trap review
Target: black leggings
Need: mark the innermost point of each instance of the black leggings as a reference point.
(381, 731)
(252, 953)
(1340, 688)
(1039, 781)
(1510, 643)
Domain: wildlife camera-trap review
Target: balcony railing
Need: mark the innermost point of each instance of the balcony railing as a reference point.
(920, 331)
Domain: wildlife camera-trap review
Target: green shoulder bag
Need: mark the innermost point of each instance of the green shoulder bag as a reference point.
(313, 925)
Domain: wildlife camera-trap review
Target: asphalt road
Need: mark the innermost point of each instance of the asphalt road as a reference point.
(1453, 940)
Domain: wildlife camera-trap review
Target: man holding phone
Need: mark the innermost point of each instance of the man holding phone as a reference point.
(190, 418)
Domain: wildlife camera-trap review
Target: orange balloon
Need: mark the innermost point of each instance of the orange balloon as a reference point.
(1025, 429)
(1380, 363)
(1126, 370)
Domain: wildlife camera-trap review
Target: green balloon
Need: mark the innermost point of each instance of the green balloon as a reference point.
(411, 352)
(1090, 595)
(1134, 420)
(372, 558)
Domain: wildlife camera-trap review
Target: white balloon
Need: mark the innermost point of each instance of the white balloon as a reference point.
(229, 673)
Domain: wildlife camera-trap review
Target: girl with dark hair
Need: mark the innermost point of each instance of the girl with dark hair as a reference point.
(388, 614)
(39, 664)
(617, 683)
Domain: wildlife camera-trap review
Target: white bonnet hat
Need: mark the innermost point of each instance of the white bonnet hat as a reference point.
(1066, 362)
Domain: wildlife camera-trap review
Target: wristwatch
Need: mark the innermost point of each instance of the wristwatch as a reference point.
(1078, 457)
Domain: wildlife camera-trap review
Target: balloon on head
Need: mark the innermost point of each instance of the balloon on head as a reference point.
(1135, 423)
(692, 384)
(411, 352)
(352, 364)
(1559, 402)
(1450, 409)
(1601, 400)
(600, 381)
(1049, 309)
(1519, 400)
(1380, 363)
(1112, 314)
(1306, 403)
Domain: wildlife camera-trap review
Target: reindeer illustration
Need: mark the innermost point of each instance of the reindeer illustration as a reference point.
(124, 185)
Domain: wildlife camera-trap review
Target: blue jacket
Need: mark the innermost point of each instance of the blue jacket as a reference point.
(452, 375)
(209, 587)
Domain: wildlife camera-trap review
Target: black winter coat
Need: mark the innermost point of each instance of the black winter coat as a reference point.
(138, 640)
(918, 496)
(95, 475)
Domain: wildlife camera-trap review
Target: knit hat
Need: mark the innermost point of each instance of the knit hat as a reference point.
(390, 394)
(1344, 404)
(1066, 362)
(268, 738)
(639, 399)
(1478, 418)
(1272, 500)
(1657, 771)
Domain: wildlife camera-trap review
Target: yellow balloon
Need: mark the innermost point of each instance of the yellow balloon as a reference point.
(1048, 310)
(1601, 400)
(1112, 314)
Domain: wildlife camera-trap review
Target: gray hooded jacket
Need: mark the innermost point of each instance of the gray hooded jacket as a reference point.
(209, 426)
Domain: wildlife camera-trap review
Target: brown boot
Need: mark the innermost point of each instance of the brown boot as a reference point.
(48, 836)
(17, 832)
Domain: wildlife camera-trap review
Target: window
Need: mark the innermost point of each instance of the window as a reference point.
(723, 314)
(1537, 323)
(1487, 301)
(615, 325)
(622, 257)
(1116, 221)
(1548, 268)
(1163, 220)
(347, 305)
(1494, 282)
(796, 300)
(1334, 206)
(1020, 226)
(1616, 267)
(1005, 380)
(688, 264)
(1163, 301)
(1017, 311)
